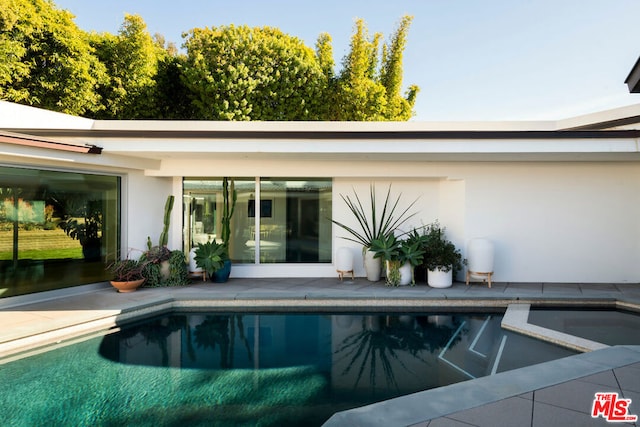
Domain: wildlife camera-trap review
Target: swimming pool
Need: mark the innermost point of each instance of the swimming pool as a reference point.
(257, 368)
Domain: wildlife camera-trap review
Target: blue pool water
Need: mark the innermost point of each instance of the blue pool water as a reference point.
(232, 369)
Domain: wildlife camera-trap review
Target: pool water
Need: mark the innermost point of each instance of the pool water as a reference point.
(251, 369)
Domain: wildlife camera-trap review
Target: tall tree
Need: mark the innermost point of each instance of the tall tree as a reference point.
(46, 59)
(243, 73)
(398, 108)
(368, 86)
(131, 58)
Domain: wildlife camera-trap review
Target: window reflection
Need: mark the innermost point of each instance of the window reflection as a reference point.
(57, 229)
(291, 216)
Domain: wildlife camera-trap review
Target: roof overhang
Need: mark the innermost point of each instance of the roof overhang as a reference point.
(40, 142)
(633, 79)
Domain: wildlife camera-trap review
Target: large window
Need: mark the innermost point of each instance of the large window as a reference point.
(57, 229)
(275, 220)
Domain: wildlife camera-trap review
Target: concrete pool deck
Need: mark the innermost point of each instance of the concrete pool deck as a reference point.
(557, 393)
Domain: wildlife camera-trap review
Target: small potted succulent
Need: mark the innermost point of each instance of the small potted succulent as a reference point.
(400, 257)
(127, 274)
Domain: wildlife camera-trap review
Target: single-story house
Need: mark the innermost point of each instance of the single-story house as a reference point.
(558, 199)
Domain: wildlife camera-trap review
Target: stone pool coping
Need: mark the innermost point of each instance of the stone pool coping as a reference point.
(51, 317)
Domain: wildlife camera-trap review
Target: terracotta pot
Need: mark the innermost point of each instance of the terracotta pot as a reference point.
(127, 286)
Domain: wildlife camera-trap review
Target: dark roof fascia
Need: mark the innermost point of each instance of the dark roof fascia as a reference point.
(31, 141)
(348, 135)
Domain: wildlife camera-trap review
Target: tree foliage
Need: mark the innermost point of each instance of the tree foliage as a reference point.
(131, 58)
(46, 60)
(243, 73)
(369, 85)
(225, 73)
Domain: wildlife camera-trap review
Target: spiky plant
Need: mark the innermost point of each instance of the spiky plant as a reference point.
(374, 225)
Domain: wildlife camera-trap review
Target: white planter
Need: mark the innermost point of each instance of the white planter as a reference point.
(372, 266)
(344, 259)
(405, 274)
(440, 279)
(480, 256)
(193, 268)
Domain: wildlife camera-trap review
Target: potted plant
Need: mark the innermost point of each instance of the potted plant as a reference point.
(373, 225)
(127, 274)
(411, 255)
(229, 199)
(158, 256)
(211, 256)
(387, 248)
(441, 257)
(400, 257)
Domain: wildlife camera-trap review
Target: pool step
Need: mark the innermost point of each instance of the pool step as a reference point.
(477, 353)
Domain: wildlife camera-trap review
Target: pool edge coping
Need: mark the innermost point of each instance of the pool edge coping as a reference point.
(109, 319)
(435, 403)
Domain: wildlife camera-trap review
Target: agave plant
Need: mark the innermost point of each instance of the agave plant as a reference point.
(211, 256)
(374, 225)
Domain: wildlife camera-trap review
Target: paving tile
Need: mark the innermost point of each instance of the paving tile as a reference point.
(606, 378)
(634, 407)
(552, 416)
(575, 395)
(569, 288)
(508, 412)
(448, 422)
(628, 378)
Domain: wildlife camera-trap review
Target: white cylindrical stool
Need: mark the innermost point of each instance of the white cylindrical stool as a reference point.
(480, 259)
(344, 262)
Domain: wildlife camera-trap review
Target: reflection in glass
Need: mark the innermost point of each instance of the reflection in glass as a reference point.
(292, 217)
(57, 229)
(203, 215)
(297, 227)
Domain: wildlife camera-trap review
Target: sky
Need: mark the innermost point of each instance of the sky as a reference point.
(472, 59)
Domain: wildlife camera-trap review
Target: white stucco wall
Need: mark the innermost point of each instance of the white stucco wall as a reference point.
(143, 200)
(557, 222)
(549, 221)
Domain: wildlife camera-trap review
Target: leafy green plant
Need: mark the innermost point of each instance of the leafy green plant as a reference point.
(388, 248)
(211, 256)
(178, 274)
(374, 224)
(396, 252)
(440, 252)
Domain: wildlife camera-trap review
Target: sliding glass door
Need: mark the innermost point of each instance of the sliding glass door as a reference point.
(57, 229)
(275, 220)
